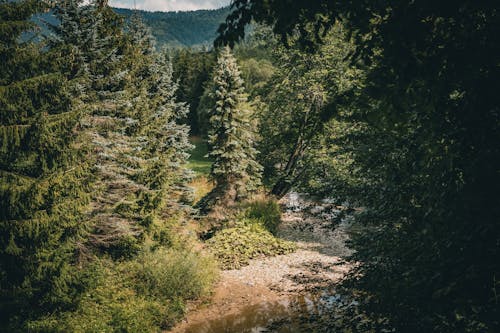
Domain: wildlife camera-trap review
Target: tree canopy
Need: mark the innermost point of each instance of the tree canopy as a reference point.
(425, 158)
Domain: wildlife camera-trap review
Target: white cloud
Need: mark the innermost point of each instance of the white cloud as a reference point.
(170, 5)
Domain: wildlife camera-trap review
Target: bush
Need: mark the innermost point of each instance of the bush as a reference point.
(147, 294)
(267, 212)
(175, 274)
(234, 247)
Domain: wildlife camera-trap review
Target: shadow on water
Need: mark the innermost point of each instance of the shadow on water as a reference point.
(295, 314)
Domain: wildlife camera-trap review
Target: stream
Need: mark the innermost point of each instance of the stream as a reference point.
(300, 286)
(293, 314)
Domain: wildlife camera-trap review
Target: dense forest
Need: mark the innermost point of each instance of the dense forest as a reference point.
(176, 29)
(173, 29)
(332, 169)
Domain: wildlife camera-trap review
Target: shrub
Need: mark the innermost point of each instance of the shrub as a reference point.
(147, 294)
(267, 212)
(111, 305)
(175, 274)
(234, 247)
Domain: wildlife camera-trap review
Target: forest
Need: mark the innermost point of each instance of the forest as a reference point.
(322, 166)
(180, 29)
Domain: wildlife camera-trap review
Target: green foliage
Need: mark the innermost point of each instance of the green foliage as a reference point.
(267, 212)
(171, 274)
(234, 247)
(420, 141)
(305, 92)
(235, 170)
(91, 159)
(45, 175)
(192, 69)
(144, 295)
(111, 305)
(133, 119)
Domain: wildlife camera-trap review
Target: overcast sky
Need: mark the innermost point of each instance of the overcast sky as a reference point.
(170, 5)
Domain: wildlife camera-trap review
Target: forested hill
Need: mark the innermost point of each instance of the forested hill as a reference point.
(191, 28)
(175, 29)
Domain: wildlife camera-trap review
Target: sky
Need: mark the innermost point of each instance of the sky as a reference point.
(170, 5)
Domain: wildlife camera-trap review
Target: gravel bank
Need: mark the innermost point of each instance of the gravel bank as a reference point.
(318, 229)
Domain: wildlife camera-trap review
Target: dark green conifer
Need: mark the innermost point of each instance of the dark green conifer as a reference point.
(231, 137)
(44, 172)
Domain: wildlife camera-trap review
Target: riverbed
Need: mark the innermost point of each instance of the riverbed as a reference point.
(286, 293)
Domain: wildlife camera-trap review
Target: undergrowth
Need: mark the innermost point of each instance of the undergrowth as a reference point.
(146, 294)
(265, 212)
(234, 247)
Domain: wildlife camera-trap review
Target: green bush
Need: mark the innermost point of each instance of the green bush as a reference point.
(175, 274)
(267, 212)
(234, 247)
(111, 305)
(147, 294)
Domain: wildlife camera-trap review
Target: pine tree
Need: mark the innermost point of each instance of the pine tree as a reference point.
(168, 139)
(140, 34)
(161, 142)
(44, 172)
(231, 137)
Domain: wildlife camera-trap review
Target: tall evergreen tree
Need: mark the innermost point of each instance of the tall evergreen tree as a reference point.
(140, 34)
(91, 38)
(44, 172)
(168, 139)
(231, 137)
(160, 143)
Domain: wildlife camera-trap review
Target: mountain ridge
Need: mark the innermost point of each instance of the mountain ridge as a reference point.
(182, 28)
(197, 28)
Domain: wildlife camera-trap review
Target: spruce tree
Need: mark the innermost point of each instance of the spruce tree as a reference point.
(44, 172)
(71, 35)
(140, 35)
(231, 137)
(91, 38)
(141, 149)
(161, 142)
(168, 139)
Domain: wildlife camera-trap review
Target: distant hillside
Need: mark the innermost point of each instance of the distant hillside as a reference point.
(174, 29)
(194, 28)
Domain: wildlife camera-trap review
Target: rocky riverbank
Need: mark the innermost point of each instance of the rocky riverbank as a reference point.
(249, 299)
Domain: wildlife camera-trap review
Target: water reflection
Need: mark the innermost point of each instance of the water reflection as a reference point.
(295, 314)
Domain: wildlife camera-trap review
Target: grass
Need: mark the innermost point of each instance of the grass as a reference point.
(201, 166)
(198, 162)
(147, 294)
(267, 212)
(201, 186)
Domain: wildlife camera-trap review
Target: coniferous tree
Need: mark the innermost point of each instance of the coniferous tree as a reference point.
(162, 142)
(140, 34)
(132, 122)
(44, 172)
(92, 38)
(231, 137)
(168, 139)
